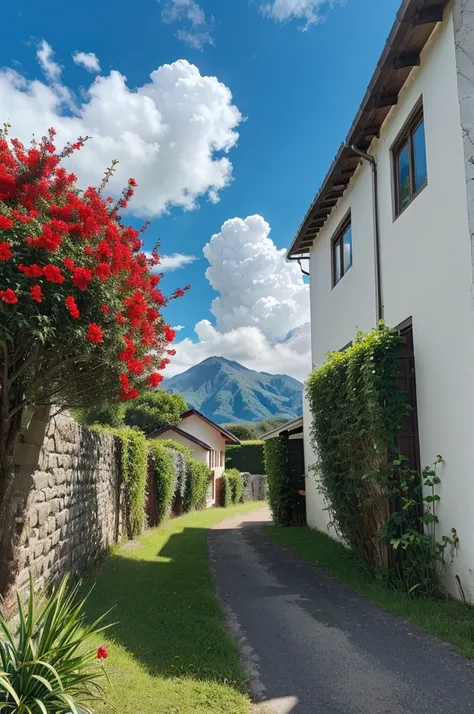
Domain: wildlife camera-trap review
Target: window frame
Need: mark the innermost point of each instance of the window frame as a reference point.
(405, 136)
(339, 236)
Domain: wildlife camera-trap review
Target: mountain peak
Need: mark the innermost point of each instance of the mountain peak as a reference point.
(226, 391)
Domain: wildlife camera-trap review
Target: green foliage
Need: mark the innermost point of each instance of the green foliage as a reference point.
(46, 665)
(197, 481)
(161, 465)
(286, 503)
(225, 492)
(247, 456)
(236, 484)
(134, 475)
(357, 410)
(104, 415)
(170, 444)
(266, 425)
(153, 410)
(243, 432)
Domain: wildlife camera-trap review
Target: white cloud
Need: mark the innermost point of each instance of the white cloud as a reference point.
(169, 134)
(174, 262)
(198, 28)
(262, 312)
(88, 60)
(178, 328)
(44, 55)
(308, 10)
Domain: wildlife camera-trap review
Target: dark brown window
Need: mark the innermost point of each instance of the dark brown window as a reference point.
(342, 252)
(409, 162)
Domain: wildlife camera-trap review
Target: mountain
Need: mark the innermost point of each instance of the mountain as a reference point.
(225, 391)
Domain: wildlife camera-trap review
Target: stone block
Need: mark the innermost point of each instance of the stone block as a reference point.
(41, 480)
(55, 506)
(33, 518)
(43, 513)
(46, 546)
(55, 537)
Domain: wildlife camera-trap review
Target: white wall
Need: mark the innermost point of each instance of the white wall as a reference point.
(209, 435)
(426, 270)
(199, 452)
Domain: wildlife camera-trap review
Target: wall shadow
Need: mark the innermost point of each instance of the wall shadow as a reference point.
(166, 612)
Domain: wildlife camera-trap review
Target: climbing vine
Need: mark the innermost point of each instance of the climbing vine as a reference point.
(134, 474)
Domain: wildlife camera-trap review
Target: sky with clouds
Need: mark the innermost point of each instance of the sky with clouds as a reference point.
(228, 115)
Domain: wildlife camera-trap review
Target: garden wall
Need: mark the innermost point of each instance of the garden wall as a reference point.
(255, 487)
(74, 507)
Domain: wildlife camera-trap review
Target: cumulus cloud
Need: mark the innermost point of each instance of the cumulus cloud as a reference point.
(174, 262)
(88, 60)
(198, 28)
(177, 328)
(308, 10)
(172, 134)
(262, 312)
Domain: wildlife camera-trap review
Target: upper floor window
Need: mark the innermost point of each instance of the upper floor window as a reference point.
(342, 252)
(409, 161)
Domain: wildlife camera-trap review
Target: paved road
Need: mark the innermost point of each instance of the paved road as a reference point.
(313, 646)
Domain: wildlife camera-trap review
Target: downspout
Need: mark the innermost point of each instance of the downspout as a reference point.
(379, 305)
(298, 260)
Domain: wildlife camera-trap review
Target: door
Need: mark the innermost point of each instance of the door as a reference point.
(408, 441)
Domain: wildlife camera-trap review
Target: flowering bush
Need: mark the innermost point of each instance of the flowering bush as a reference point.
(80, 301)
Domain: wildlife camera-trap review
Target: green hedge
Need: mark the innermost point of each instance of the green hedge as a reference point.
(236, 484)
(247, 456)
(134, 474)
(225, 492)
(160, 463)
(197, 482)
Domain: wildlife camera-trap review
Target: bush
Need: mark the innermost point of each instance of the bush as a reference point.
(225, 492)
(241, 431)
(134, 475)
(45, 664)
(236, 484)
(154, 409)
(162, 468)
(197, 482)
(170, 444)
(286, 504)
(247, 456)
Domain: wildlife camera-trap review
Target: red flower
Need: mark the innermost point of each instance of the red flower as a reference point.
(53, 274)
(36, 293)
(5, 252)
(94, 333)
(132, 182)
(102, 650)
(8, 296)
(152, 314)
(81, 277)
(135, 366)
(120, 318)
(105, 309)
(171, 352)
(169, 333)
(5, 223)
(124, 381)
(49, 239)
(179, 292)
(69, 263)
(103, 271)
(72, 307)
(31, 271)
(155, 379)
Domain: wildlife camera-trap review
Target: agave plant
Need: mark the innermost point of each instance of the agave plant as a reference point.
(46, 663)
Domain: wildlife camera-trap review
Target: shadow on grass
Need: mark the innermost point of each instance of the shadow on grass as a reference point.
(166, 612)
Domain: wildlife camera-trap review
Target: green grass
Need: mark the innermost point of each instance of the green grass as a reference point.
(169, 652)
(447, 619)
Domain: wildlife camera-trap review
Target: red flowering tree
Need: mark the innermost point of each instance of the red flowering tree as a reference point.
(80, 304)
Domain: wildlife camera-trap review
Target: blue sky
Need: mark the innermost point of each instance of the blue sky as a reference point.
(297, 92)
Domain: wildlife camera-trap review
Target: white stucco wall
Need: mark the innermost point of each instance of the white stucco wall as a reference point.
(426, 271)
(199, 452)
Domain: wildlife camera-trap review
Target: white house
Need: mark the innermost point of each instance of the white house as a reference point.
(206, 439)
(390, 235)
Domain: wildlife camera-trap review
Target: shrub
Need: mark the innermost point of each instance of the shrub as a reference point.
(225, 492)
(134, 475)
(247, 456)
(286, 504)
(162, 468)
(153, 409)
(46, 665)
(241, 431)
(197, 483)
(236, 484)
(176, 446)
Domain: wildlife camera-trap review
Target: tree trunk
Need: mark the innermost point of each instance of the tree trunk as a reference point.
(18, 465)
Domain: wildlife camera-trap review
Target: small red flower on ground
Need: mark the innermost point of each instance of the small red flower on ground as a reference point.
(5, 223)
(102, 652)
(5, 252)
(36, 293)
(8, 296)
(94, 333)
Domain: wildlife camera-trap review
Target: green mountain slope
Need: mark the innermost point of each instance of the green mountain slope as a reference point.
(225, 391)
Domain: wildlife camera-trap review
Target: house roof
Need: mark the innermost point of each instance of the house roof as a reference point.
(230, 438)
(413, 26)
(296, 425)
(177, 430)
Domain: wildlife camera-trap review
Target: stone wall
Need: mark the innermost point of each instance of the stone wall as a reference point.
(255, 487)
(74, 506)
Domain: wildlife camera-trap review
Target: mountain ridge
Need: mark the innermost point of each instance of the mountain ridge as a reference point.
(226, 391)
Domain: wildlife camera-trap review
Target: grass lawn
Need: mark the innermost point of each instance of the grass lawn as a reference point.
(168, 652)
(449, 620)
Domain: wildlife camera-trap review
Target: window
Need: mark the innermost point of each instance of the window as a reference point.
(342, 252)
(409, 161)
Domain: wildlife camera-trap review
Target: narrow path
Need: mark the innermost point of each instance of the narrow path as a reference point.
(313, 646)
